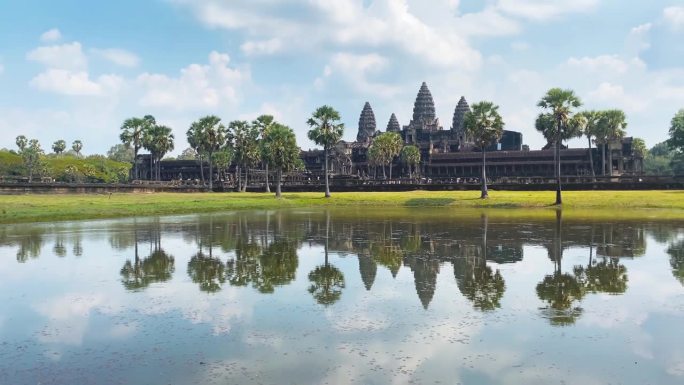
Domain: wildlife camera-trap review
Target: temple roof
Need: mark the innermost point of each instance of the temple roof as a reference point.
(424, 107)
(459, 113)
(393, 124)
(366, 123)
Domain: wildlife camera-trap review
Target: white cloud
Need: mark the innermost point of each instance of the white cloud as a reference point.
(198, 86)
(638, 39)
(68, 56)
(118, 56)
(606, 63)
(542, 10)
(674, 17)
(51, 36)
(262, 47)
(75, 83)
(489, 22)
(326, 27)
(356, 70)
(614, 94)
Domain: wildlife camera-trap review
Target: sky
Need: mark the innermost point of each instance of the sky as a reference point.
(71, 69)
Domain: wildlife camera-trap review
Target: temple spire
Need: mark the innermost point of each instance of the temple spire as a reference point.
(366, 124)
(393, 124)
(462, 108)
(424, 107)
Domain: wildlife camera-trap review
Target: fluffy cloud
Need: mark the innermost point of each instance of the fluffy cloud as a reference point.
(77, 83)
(674, 17)
(198, 87)
(356, 70)
(68, 56)
(612, 64)
(51, 36)
(118, 56)
(332, 26)
(544, 9)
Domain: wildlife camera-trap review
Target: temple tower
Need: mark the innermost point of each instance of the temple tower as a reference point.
(393, 124)
(462, 108)
(366, 124)
(424, 116)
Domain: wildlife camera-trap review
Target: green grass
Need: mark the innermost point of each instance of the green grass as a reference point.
(595, 204)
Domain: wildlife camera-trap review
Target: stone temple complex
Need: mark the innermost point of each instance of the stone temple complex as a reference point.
(447, 154)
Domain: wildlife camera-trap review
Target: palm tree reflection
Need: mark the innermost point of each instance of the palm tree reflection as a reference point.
(327, 281)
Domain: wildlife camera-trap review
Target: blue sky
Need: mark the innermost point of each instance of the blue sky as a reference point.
(71, 69)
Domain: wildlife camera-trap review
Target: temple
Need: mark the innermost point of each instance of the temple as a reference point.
(447, 155)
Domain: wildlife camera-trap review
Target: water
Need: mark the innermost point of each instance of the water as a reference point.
(334, 297)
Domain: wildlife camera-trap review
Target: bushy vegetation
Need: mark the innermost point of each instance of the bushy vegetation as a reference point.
(66, 167)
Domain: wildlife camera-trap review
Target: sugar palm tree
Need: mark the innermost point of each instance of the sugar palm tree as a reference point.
(484, 126)
(388, 145)
(325, 131)
(77, 146)
(410, 155)
(264, 124)
(281, 151)
(194, 136)
(132, 134)
(59, 146)
(212, 136)
(247, 151)
(560, 104)
(158, 141)
(590, 129)
(613, 124)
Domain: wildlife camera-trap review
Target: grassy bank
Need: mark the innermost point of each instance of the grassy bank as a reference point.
(624, 204)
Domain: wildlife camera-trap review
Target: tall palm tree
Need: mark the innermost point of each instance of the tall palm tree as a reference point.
(325, 131)
(485, 126)
(264, 124)
(59, 146)
(159, 142)
(212, 137)
(410, 155)
(388, 145)
(281, 151)
(559, 103)
(613, 124)
(77, 146)
(133, 132)
(247, 152)
(194, 136)
(590, 128)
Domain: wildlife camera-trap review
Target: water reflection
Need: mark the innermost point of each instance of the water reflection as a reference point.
(158, 266)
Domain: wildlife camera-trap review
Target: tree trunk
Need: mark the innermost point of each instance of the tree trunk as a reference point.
(327, 186)
(610, 161)
(384, 175)
(603, 159)
(559, 199)
(136, 174)
(390, 175)
(151, 166)
(485, 193)
(268, 189)
(201, 164)
(591, 157)
(279, 177)
(237, 177)
(211, 174)
(246, 181)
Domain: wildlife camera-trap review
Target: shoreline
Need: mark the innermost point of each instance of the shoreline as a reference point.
(654, 204)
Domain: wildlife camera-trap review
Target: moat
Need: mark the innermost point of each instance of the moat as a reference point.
(354, 296)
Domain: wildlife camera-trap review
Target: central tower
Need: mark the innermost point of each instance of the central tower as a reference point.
(424, 116)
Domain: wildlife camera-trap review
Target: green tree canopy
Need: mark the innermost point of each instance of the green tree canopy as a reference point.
(326, 131)
(484, 126)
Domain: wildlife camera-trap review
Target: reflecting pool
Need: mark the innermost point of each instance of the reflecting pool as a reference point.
(343, 297)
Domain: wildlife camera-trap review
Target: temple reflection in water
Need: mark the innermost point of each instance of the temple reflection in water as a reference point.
(260, 250)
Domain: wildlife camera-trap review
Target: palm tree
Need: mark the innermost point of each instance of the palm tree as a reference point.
(77, 146)
(559, 103)
(591, 127)
(59, 146)
(613, 124)
(281, 151)
(484, 125)
(209, 136)
(133, 132)
(410, 155)
(640, 150)
(388, 145)
(158, 141)
(325, 131)
(22, 142)
(247, 152)
(263, 124)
